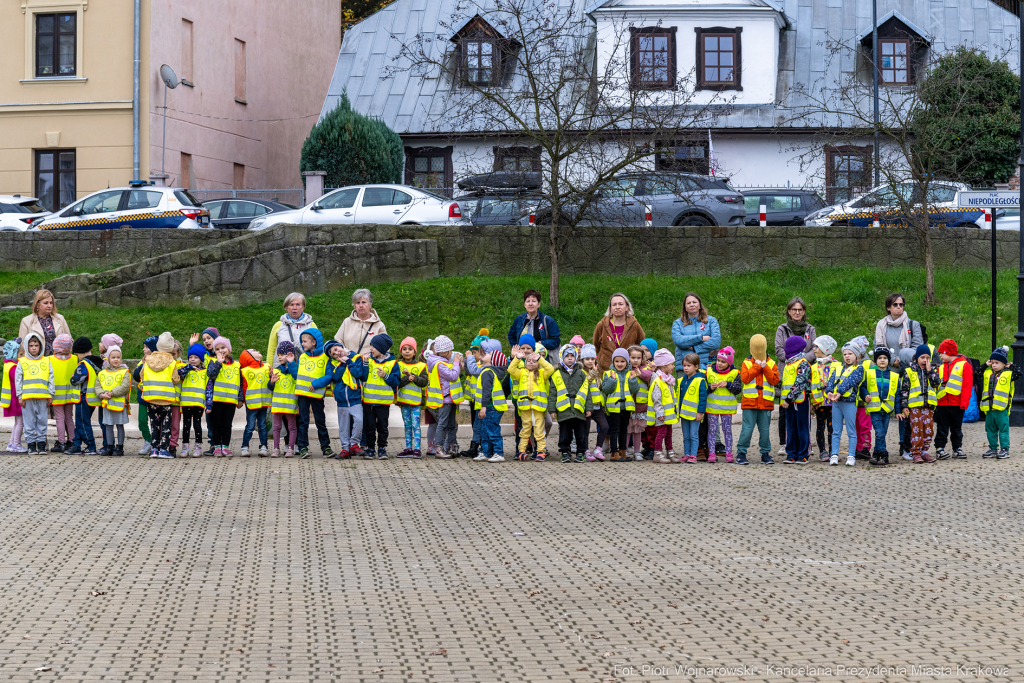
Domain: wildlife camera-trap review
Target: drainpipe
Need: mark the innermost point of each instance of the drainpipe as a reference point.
(135, 89)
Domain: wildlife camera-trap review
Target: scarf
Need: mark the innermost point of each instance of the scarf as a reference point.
(902, 321)
(568, 368)
(797, 327)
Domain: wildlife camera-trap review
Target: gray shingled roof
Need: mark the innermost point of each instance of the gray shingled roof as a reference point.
(405, 102)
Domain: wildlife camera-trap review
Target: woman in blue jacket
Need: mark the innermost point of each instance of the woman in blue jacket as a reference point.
(542, 327)
(697, 332)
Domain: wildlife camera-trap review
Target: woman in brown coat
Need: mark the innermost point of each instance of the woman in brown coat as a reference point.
(618, 329)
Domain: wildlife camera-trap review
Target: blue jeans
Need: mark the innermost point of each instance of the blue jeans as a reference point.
(490, 433)
(691, 429)
(255, 419)
(880, 423)
(83, 427)
(843, 412)
(477, 424)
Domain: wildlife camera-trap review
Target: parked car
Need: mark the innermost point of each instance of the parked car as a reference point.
(1006, 219)
(861, 212)
(674, 198)
(782, 206)
(18, 213)
(236, 214)
(140, 205)
(499, 198)
(385, 204)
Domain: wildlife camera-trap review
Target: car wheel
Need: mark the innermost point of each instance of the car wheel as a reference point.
(693, 220)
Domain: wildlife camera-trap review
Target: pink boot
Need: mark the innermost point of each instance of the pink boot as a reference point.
(712, 457)
(598, 454)
(590, 456)
(729, 458)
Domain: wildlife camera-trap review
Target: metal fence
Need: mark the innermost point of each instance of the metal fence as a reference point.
(294, 196)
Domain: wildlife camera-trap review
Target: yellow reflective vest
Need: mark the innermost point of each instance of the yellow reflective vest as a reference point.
(722, 401)
(193, 388)
(821, 373)
(789, 379)
(311, 368)
(621, 397)
(1002, 396)
(7, 385)
(63, 392)
(919, 394)
(531, 386)
(955, 383)
(375, 390)
(750, 388)
(257, 386)
(589, 391)
(158, 387)
(876, 402)
(689, 402)
(498, 399)
(410, 394)
(668, 401)
(35, 377)
(110, 381)
(284, 401)
(435, 395)
(227, 384)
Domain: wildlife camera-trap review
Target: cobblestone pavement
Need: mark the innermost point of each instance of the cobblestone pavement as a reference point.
(254, 569)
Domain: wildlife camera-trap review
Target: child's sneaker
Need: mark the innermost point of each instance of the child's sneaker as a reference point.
(790, 460)
(766, 459)
(579, 457)
(638, 456)
(824, 457)
(906, 455)
(73, 450)
(154, 453)
(328, 453)
(941, 454)
(218, 452)
(18, 448)
(1003, 454)
(540, 457)
(834, 459)
(496, 458)
(344, 455)
(629, 453)
(355, 449)
(566, 457)
(480, 457)
(408, 453)
(690, 459)
(520, 456)
(32, 447)
(244, 453)
(382, 453)
(58, 447)
(990, 453)
(197, 451)
(711, 457)
(303, 453)
(91, 451)
(851, 460)
(729, 458)
(589, 455)
(276, 453)
(959, 454)
(742, 460)
(262, 451)
(431, 448)
(417, 454)
(661, 457)
(146, 449)
(290, 453)
(228, 452)
(599, 454)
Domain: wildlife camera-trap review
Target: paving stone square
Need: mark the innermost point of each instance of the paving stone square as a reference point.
(126, 569)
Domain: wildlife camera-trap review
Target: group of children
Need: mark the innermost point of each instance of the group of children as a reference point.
(634, 404)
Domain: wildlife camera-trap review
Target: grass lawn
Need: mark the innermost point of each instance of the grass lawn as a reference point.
(842, 302)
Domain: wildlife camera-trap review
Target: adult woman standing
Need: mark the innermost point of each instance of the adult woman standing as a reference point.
(897, 331)
(796, 325)
(361, 325)
(44, 320)
(542, 328)
(290, 327)
(618, 329)
(697, 332)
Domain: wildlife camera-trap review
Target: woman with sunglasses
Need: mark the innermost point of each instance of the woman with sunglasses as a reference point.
(897, 331)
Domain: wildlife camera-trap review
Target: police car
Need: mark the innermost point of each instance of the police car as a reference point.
(140, 205)
(18, 213)
(942, 208)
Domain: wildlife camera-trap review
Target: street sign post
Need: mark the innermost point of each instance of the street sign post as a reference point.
(990, 201)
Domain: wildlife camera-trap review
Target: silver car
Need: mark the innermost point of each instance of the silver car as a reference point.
(384, 204)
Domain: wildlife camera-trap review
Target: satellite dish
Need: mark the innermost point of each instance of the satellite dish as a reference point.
(169, 77)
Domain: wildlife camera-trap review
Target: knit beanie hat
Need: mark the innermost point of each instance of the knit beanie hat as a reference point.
(620, 353)
(651, 345)
(567, 350)
(490, 345)
(542, 351)
(759, 347)
(588, 351)
(222, 341)
(11, 349)
(922, 350)
(62, 344)
(408, 341)
(663, 357)
(82, 345)
(381, 342)
(212, 331)
(883, 351)
(498, 359)
(479, 339)
(283, 348)
(1001, 354)
(111, 339)
(150, 342)
(165, 342)
(528, 340)
(795, 345)
(577, 340)
(727, 354)
(859, 346)
(443, 344)
(200, 350)
(115, 347)
(827, 344)
(949, 347)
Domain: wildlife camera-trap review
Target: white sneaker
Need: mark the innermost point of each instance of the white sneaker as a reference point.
(851, 460)
(782, 449)
(639, 457)
(907, 456)
(834, 460)
(263, 451)
(480, 458)
(146, 449)
(496, 458)
(244, 452)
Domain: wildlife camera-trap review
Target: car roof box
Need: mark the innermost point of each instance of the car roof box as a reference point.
(506, 180)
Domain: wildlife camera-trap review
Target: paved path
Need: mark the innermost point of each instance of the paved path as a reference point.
(291, 570)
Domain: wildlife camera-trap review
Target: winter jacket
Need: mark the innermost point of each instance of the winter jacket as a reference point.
(487, 380)
(854, 379)
(545, 330)
(80, 378)
(361, 370)
(355, 334)
(783, 333)
(689, 338)
(750, 371)
(17, 373)
(287, 329)
(572, 381)
(632, 335)
(684, 385)
(963, 400)
(924, 378)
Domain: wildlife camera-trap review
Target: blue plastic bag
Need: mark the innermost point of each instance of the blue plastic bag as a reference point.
(973, 414)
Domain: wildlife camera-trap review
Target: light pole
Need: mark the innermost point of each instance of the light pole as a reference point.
(1017, 410)
(170, 80)
(874, 62)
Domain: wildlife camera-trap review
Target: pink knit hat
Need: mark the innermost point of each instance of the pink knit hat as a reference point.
(222, 341)
(727, 354)
(663, 357)
(111, 339)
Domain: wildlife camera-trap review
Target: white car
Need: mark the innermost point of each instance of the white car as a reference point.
(384, 204)
(18, 213)
(882, 199)
(140, 205)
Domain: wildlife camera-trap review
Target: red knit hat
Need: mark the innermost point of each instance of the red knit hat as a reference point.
(498, 359)
(949, 347)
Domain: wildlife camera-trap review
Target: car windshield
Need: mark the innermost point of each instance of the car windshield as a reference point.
(186, 199)
(28, 207)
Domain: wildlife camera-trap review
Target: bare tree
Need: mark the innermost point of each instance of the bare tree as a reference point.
(591, 104)
(910, 162)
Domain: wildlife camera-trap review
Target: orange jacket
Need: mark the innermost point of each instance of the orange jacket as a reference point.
(752, 372)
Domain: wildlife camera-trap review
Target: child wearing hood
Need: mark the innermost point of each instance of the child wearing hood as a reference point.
(531, 373)
(148, 347)
(159, 393)
(256, 390)
(9, 396)
(796, 393)
(760, 377)
(284, 404)
(844, 391)
(619, 389)
(35, 387)
(824, 369)
(223, 394)
(380, 377)
(724, 386)
(84, 380)
(313, 365)
(661, 406)
(590, 401)
(444, 394)
(65, 396)
(113, 387)
(640, 371)
(919, 389)
(564, 387)
(193, 380)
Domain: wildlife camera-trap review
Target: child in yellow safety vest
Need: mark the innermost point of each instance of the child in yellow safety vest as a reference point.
(724, 388)
(996, 397)
(844, 390)
(256, 393)
(620, 390)
(531, 374)
(223, 394)
(193, 379)
(691, 402)
(661, 406)
(159, 393)
(9, 400)
(795, 393)
(822, 371)
(470, 378)
(590, 401)
(34, 382)
(564, 387)
(65, 396)
(411, 385)
(348, 398)
(380, 377)
(760, 377)
(639, 370)
(113, 388)
(310, 389)
(284, 404)
(882, 384)
(492, 403)
(444, 393)
(84, 381)
(919, 388)
(957, 375)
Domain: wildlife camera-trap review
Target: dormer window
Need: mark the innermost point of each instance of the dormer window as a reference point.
(902, 50)
(893, 63)
(484, 58)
